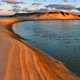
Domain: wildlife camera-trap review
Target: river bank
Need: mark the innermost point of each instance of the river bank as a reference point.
(19, 61)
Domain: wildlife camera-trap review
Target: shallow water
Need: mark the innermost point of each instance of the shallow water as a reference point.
(60, 39)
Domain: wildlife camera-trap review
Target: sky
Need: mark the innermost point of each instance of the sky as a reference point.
(49, 1)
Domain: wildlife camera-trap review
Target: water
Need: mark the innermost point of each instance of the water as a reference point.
(60, 39)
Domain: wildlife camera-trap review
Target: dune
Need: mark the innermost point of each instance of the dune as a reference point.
(19, 61)
(57, 15)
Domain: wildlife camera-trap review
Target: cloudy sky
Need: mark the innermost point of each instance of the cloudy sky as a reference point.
(49, 1)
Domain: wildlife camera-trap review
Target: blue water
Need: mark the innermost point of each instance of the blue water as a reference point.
(60, 39)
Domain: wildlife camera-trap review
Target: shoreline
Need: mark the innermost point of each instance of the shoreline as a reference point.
(27, 59)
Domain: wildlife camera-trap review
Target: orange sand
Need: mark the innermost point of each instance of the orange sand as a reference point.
(19, 61)
(55, 15)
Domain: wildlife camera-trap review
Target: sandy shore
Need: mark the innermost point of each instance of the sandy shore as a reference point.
(19, 61)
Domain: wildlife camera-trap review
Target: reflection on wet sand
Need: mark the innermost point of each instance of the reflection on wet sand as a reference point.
(19, 61)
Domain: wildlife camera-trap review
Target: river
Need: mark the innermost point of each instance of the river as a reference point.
(59, 39)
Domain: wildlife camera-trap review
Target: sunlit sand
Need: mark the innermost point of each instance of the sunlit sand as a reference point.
(54, 16)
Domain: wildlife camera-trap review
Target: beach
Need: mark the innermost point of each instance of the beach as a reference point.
(19, 61)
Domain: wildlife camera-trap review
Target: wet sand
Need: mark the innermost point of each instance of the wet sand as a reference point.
(19, 61)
